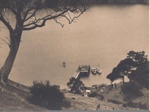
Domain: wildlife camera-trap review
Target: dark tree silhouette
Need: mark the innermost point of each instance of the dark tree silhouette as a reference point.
(32, 14)
(75, 85)
(135, 67)
(46, 95)
(123, 68)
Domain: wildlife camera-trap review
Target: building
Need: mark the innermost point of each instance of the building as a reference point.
(83, 71)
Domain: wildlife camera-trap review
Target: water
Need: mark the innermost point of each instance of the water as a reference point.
(100, 38)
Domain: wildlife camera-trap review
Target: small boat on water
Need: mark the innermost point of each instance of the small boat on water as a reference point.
(93, 70)
(96, 71)
(64, 64)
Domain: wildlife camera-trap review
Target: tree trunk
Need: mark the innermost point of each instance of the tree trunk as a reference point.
(15, 37)
(123, 80)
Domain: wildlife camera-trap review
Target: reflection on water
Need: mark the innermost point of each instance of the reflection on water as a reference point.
(100, 38)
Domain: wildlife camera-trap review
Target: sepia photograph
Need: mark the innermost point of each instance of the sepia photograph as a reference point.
(70, 55)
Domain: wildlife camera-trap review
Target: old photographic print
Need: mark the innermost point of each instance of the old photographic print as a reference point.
(74, 55)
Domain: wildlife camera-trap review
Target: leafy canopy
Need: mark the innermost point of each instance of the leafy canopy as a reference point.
(135, 67)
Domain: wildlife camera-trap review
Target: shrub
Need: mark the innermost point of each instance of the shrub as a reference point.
(137, 105)
(97, 95)
(66, 103)
(114, 101)
(46, 95)
(131, 90)
(93, 94)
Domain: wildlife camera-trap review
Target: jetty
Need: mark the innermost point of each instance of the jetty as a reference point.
(82, 71)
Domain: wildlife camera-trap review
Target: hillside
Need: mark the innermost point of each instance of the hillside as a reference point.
(88, 103)
(127, 99)
(14, 97)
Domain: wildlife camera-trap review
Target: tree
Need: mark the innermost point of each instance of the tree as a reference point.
(75, 85)
(131, 90)
(46, 95)
(28, 15)
(141, 75)
(135, 67)
(122, 69)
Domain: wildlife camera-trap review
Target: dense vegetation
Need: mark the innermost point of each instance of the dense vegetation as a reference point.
(46, 95)
(75, 85)
(131, 90)
(135, 67)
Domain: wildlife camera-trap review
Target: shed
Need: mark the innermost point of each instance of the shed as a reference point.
(84, 70)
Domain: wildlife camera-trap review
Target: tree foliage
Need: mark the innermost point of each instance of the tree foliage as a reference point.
(47, 95)
(75, 85)
(131, 90)
(135, 67)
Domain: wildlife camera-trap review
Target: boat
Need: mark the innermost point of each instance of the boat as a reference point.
(64, 64)
(98, 70)
(93, 70)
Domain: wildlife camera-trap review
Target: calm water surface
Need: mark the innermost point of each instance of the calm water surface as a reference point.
(101, 38)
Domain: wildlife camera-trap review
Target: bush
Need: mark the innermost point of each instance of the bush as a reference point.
(97, 95)
(46, 95)
(66, 103)
(137, 105)
(131, 90)
(93, 94)
(114, 101)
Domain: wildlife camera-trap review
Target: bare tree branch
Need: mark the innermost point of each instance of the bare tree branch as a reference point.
(12, 10)
(69, 15)
(6, 23)
(32, 15)
(70, 20)
(43, 20)
(25, 14)
(62, 25)
(8, 43)
(76, 17)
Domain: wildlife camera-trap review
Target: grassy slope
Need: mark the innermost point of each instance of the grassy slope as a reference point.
(87, 103)
(14, 98)
(116, 94)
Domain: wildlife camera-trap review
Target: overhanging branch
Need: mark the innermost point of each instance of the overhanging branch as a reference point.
(62, 25)
(32, 15)
(42, 21)
(8, 43)
(6, 23)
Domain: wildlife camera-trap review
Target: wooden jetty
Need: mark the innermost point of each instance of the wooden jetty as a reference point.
(82, 71)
